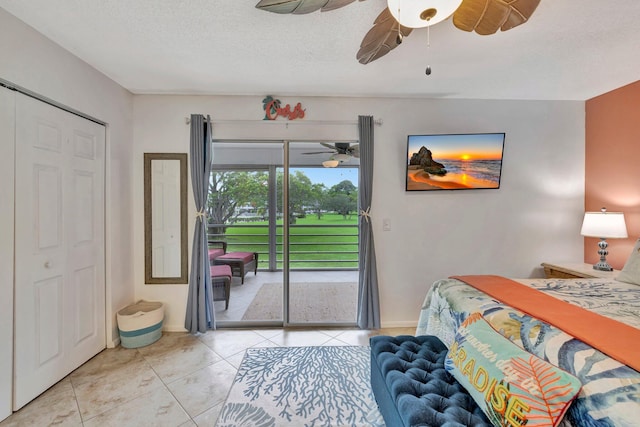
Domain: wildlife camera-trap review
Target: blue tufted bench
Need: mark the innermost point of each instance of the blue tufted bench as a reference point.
(413, 389)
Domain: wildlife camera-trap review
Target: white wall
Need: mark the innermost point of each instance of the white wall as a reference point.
(34, 62)
(535, 216)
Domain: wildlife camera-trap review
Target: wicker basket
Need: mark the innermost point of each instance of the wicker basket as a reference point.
(140, 324)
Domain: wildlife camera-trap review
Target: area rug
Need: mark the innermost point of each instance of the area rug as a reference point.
(302, 386)
(308, 302)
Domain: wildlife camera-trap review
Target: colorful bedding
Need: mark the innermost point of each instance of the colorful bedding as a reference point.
(611, 390)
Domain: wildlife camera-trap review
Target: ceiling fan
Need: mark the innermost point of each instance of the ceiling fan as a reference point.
(340, 152)
(400, 17)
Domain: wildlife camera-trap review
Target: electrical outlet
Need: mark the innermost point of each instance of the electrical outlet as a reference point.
(386, 224)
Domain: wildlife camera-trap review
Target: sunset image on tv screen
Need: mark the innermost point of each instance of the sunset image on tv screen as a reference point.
(454, 161)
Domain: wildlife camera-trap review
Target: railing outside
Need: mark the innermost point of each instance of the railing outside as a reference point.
(311, 247)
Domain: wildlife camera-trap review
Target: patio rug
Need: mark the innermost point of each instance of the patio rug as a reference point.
(302, 386)
(308, 302)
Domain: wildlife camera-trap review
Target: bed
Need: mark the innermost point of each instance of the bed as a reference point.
(610, 394)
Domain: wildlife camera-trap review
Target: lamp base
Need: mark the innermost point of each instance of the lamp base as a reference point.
(602, 266)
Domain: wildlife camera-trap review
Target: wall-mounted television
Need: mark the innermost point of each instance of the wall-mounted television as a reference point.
(454, 161)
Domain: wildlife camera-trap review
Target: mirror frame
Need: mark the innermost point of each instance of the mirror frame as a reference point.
(148, 215)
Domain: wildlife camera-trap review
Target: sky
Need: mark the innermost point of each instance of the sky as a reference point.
(330, 176)
(487, 146)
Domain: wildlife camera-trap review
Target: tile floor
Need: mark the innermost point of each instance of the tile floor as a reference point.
(180, 380)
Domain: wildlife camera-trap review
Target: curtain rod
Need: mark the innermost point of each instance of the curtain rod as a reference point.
(378, 122)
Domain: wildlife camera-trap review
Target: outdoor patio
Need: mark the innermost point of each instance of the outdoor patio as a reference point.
(316, 297)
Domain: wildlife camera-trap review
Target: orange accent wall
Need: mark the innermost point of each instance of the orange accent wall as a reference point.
(612, 166)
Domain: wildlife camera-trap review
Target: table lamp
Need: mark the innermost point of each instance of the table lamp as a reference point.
(605, 225)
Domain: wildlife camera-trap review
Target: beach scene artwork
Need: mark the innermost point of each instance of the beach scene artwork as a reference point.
(454, 161)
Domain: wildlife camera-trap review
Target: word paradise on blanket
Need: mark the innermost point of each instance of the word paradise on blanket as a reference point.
(513, 388)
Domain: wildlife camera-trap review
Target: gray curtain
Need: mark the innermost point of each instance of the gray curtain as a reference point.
(368, 298)
(200, 314)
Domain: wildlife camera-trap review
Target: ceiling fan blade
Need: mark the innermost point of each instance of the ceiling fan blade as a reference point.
(486, 17)
(381, 38)
(324, 144)
(521, 11)
(482, 16)
(355, 150)
(299, 7)
(320, 152)
(336, 4)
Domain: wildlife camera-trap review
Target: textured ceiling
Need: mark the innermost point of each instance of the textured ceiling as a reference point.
(569, 50)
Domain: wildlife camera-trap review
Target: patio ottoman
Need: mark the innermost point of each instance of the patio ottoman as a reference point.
(412, 387)
(240, 262)
(221, 283)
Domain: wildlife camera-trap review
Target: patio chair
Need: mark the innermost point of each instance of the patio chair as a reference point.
(215, 252)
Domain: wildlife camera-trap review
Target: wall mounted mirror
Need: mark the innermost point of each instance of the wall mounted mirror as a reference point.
(165, 218)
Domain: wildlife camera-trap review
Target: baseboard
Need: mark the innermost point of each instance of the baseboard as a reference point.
(113, 343)
(400, 324)
(173, 328)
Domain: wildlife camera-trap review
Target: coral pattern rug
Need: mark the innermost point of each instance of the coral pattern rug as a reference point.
(302, 386)
(308, 302)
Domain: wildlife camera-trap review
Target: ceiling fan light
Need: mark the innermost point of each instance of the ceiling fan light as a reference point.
(422, 13)
(330, 163)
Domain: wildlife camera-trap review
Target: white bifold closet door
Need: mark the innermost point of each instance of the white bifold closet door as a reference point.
(59, 245)
(7, 176)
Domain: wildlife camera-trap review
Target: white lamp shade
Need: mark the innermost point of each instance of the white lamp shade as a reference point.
(330, 163)
(410, 11)
(606, 225)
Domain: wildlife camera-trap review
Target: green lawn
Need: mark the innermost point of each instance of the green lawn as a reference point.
(328, 245)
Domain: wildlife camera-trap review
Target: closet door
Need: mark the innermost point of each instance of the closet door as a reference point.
(7, 122)
(59, 249)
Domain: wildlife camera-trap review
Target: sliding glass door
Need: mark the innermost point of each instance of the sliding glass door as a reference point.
(323, 236)
(299, 218)
(243, 213)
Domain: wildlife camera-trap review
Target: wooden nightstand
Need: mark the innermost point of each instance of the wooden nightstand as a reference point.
(576, 271)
